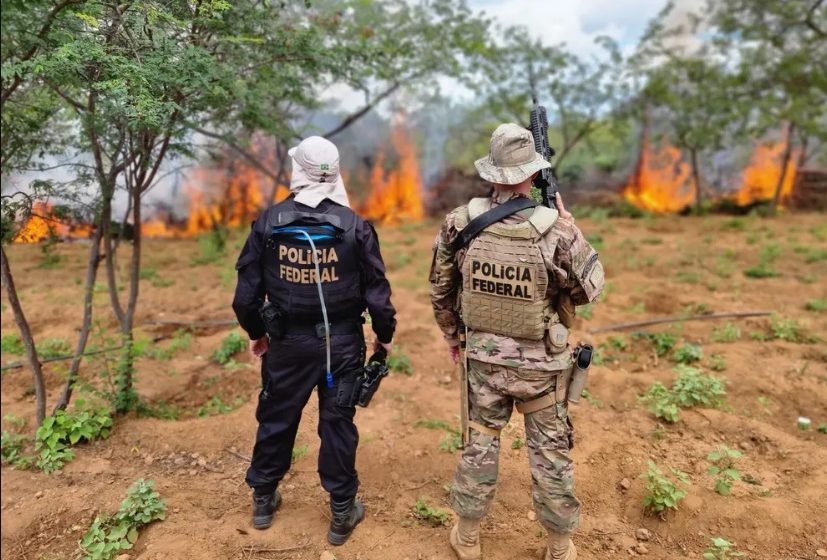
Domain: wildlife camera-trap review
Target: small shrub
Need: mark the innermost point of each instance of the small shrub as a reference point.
(216, 406)
(53, 348)
(662, 492)
(213, 246)
(688, 353)
(661, 403)
(57, 433)
(400, 363)
(721, 549)
(162, 410)
(822, 428)
(728, 333)
(817, 255)
(693, 388)
(11, 450)
(662, 342)
(766, 260)
(12, 344)
(617, 342)
(788, 330)
(433, 516)
(108, 536)
(817, 305)
(716, 362)
(451, 442)
(232, 344)
(431, 424)
(517, 443)
(723, 467)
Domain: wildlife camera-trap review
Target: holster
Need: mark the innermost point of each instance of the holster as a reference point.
(357, 389)
(275, 320)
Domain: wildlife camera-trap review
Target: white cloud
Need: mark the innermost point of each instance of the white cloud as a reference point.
(575, 22)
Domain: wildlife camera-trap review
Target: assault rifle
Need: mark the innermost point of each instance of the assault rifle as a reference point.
(545, 180)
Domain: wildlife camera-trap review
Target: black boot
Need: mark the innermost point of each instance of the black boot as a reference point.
(264, 506)
(346, 515)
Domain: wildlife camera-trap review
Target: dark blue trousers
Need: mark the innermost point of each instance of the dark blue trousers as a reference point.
(291, 369)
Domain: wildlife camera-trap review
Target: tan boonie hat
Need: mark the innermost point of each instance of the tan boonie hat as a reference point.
(511, 157)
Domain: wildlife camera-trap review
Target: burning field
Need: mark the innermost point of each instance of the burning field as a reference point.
(197, 427)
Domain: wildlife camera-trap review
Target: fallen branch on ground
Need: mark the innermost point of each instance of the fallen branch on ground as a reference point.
(193, 324)
(626, 326)
(18, 365)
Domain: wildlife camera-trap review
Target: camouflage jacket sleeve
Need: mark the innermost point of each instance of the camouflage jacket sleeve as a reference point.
(576, 266)
(445, 280)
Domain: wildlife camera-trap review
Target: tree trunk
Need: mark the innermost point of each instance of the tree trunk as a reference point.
(26, 335)
(785, 163)
(127, 365)
(91, 275)
(696, 178)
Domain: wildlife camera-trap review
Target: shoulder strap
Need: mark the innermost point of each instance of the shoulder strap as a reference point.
(478, 224)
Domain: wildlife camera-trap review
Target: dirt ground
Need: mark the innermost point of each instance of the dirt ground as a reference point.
(655, 267)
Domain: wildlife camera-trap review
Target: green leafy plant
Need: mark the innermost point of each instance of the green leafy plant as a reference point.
(716, 362)
(517, 443)
(161, 409)
(691, 388)
(216, 405)
(662, 403)
(109, 535)
(822, 428)
(728, 333)
(617, 342)
(766, 260)
(817, 305)
(400, 363)
(232, 344)
(12, 344)
(661, 342)
(688, 353)
(429, 515)
(662, 492)
(788, 330)
(451, 442)
(53, 348)
(57, 433)
(723, 468)
(212, 245)
(12, 451)
(721, 549)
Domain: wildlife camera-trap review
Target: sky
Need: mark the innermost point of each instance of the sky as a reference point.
(576, 22)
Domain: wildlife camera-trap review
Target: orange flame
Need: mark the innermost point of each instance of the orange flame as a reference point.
(762, 174)
(43, 223)
(661, 181)
(397, 196)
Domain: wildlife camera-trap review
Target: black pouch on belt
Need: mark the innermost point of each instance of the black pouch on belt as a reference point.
(274, 320)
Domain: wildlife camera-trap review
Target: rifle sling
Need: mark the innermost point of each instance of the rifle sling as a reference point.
(478, 224)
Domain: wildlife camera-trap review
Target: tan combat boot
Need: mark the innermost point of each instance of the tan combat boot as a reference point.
(560, 547)
(465, 539)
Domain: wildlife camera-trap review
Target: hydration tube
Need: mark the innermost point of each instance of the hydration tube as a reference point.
(329, 375)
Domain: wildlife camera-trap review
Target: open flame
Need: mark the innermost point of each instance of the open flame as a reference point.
(44, 223)
(761, 176)
(660, 182)
(396, 196)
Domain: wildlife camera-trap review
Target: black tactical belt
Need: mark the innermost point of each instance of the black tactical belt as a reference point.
(478, 224)
(340, 327)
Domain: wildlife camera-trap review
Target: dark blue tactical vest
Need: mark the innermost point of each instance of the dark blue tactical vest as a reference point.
(290, 276)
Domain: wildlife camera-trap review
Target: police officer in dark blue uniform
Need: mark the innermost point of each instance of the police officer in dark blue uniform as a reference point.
(314, 266)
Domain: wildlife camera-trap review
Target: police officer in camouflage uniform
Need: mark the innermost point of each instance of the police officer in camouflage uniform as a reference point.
(514, 288)
(339, 257)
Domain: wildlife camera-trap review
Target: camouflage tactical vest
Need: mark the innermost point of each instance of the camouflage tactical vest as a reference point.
(504, 277)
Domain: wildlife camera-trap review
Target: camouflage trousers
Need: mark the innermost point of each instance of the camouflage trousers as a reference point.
(493, 391)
